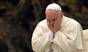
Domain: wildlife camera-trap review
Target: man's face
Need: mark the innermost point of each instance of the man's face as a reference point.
(53, 18)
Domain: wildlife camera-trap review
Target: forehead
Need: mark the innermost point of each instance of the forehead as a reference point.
(51, 13)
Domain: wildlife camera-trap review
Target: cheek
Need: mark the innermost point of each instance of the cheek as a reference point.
(50, 24)
(57, 22)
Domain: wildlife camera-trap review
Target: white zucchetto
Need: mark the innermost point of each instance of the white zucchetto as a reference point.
(53, 6)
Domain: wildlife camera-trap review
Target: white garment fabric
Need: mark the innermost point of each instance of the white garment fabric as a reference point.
(67, 39)
(85, 35)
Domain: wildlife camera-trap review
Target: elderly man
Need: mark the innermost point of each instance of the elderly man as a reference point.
(57, 33)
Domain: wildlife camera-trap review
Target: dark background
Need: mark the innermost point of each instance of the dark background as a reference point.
(18, 19)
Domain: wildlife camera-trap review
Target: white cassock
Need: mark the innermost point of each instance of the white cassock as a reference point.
(67, 39)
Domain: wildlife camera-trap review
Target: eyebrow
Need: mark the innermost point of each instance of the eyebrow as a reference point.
(53, 19)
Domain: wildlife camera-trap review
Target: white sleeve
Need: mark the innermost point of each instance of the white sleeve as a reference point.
(79, 38)
(72, 38)
(40, 39)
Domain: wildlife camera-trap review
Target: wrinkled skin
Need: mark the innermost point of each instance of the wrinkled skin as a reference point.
(54, 19)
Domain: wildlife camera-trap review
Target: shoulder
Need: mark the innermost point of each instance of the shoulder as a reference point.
(85, 33)
(43, 26)
(42, 23)
(70, 21)
(69, 24)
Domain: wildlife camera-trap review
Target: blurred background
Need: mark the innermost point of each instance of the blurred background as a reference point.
(18, 19)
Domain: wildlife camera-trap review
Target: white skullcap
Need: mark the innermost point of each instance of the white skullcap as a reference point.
(53, 6)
